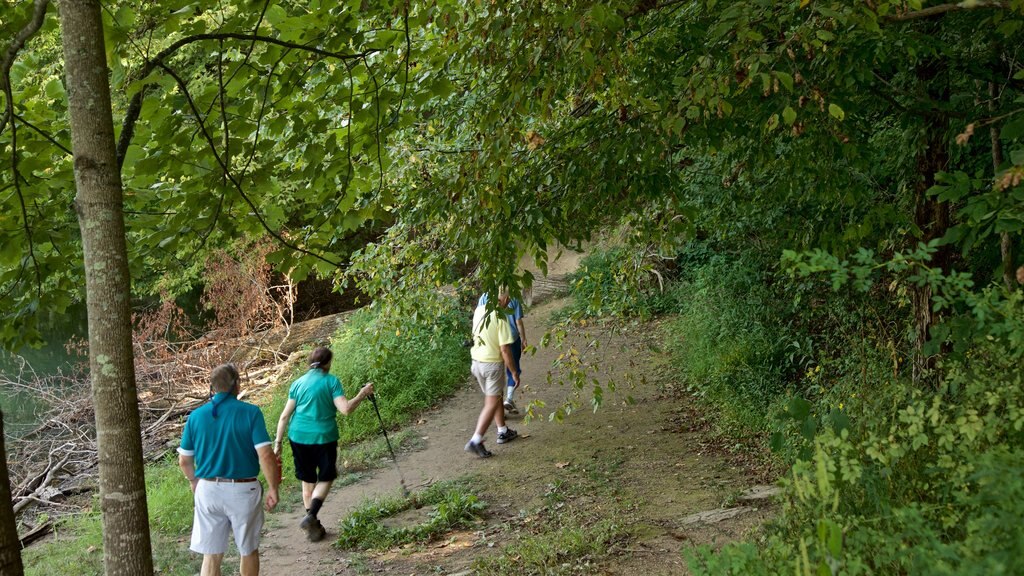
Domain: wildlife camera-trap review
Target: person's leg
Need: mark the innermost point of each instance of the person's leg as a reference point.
(245, 503)
(211, 526)
(211, 564)
(307, 493)
(327, 471)
(319, 494)
(516, 350)
(497, 410)
(510, 387)
(250, 565)
(491, 411)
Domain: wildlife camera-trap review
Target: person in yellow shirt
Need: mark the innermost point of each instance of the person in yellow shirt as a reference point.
(492, 355)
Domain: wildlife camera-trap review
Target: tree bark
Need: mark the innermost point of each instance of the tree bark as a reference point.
(10, 546)
(126, 540)
(930, 215)
(1005, 240)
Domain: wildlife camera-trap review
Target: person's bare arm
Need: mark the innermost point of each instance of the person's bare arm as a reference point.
(188, 467)
(268, 464)
(282, 424)
(346, 406)
(521, 326)
(510, 362)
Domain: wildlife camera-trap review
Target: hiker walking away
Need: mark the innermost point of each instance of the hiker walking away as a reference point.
(223, 447)
(515, 323)
(492, 357)
(309, 416)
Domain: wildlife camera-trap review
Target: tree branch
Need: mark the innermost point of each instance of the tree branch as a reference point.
(213, 149)
(944, 8)
(33, 26)
(135, 107)
(38, 130)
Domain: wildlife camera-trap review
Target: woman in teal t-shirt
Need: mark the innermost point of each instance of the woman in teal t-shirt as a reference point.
(312, 403)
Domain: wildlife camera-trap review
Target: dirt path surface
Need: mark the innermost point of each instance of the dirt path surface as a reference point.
(646, 466)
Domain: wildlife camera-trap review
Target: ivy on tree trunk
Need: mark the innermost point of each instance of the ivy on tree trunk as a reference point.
(126, 541)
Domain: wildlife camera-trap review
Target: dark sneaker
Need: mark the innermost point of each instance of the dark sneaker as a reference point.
(316, 532)
(510, 407)
(478, 449)
(308, 523)
(508, 436)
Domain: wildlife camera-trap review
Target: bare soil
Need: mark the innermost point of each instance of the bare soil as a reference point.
(645, 461)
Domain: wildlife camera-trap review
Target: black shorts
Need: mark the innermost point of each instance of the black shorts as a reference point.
(315, 462)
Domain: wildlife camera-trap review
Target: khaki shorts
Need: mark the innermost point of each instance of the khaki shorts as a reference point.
(490, 376)
(223, 508)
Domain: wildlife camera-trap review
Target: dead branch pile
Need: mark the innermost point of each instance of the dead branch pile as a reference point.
(57, 458)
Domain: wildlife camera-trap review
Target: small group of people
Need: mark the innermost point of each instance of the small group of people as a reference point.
(499, 337)
(225, 445)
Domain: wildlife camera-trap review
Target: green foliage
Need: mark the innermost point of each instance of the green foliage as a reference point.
(412, 366)
(168, 498)
(569, 549)
(892, 478)
(729, 340)
(617, 282)
(453, 505)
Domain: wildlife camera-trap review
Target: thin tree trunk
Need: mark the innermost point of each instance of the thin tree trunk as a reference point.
(10, 546)
(126, 541)
(930, 215)
(1005, 240)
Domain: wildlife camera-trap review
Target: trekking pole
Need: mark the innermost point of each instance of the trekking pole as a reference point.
(401, 478)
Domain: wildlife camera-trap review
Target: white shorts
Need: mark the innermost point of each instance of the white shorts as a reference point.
(222, 508)
(490, 376)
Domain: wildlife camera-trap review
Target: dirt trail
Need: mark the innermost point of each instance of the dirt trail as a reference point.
(646, 463)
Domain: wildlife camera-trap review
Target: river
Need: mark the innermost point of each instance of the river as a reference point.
(22, 408)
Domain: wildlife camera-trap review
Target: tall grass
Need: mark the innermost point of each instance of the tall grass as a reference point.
(77, 546)
(412, 368)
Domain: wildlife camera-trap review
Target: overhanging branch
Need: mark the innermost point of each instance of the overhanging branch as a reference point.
(227, 172)
(135, 106)
(33, 26)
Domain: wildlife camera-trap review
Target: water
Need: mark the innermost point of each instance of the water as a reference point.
(22, 408)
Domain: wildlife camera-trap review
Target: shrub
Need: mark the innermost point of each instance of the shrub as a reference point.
(454, 506)
(412, 367)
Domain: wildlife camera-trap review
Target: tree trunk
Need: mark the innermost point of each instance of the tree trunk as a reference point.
(1005, 240)
(930, 215)
(10, 546)
(126, 542)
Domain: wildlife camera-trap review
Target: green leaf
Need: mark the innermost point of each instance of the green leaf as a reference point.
(785, 79)
(1013, 129)
(798, 408)
(809, 428)
(836, 112)
(1017, 156)
(789, 115)
(55, 89)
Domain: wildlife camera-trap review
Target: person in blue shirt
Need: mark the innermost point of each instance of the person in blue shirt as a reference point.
(223, 448)
(514, 311)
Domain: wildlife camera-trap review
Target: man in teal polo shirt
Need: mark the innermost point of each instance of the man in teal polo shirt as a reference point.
(223, 447)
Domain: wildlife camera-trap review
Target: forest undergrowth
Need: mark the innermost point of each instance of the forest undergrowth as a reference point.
(882, 475)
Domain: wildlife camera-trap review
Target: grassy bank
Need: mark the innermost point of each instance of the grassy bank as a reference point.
(412, 370)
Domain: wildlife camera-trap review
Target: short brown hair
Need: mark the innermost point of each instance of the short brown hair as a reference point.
(224, 377)
(321, 358)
